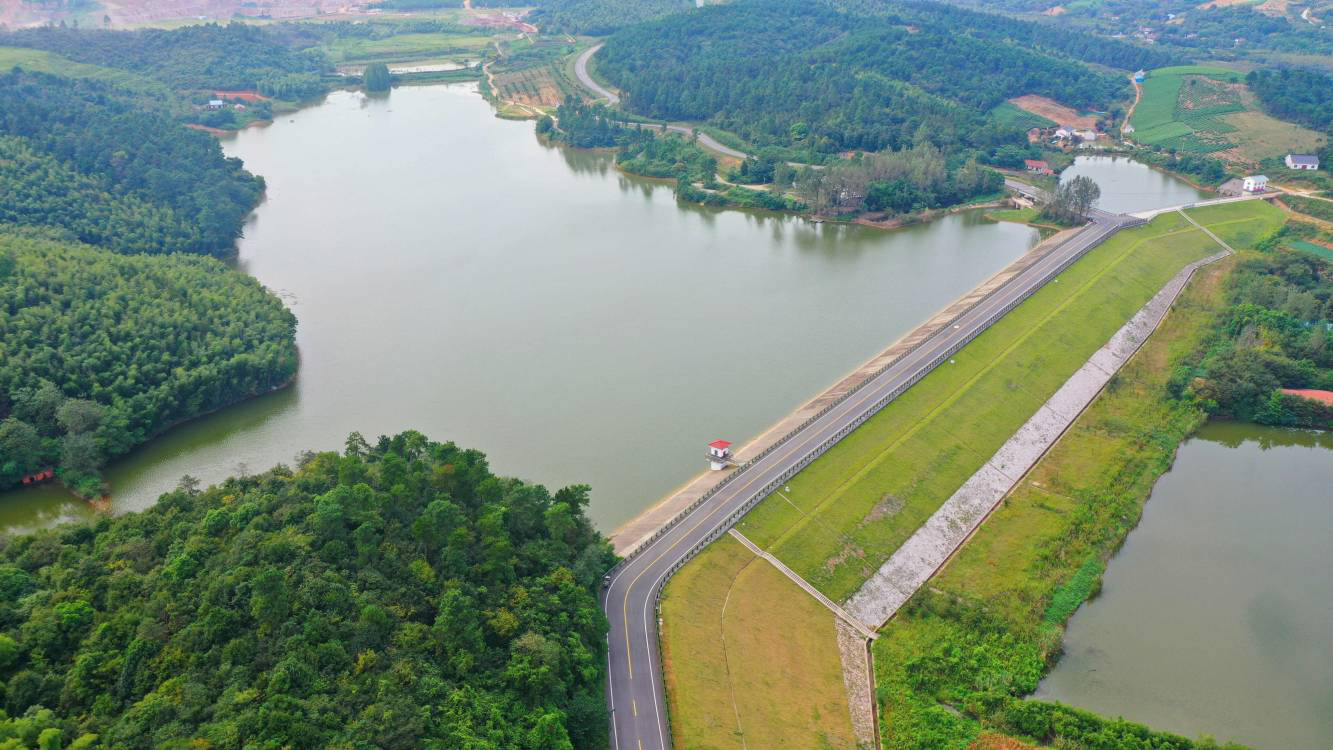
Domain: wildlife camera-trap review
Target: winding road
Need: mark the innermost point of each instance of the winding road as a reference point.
(635, 692)
(612, 98)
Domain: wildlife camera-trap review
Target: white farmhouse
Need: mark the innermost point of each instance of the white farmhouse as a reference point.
(1302, 161)
(1256, 183)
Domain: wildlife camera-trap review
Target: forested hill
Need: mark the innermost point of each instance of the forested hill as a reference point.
(115, 170)
(1075, 44)
(103, 351)
(787, 71)
(394, 596)
(208, 56)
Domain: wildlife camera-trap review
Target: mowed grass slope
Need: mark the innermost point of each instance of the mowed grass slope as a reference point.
(751, 660)
(851, 509)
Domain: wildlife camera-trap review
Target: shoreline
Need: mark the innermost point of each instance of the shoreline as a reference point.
(631, 533)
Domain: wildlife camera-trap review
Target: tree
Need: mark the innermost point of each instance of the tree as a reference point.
(79, 415)
(20, 450)
(377, 77)
(1071, 201)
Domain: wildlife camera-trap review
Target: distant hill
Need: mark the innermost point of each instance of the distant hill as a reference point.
(857, 75)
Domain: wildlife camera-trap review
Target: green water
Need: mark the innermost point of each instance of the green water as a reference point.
(453, 275)
(1216, 616)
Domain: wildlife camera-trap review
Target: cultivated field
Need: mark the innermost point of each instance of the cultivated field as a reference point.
(405, 47)
(1207, 110)
(751, 660)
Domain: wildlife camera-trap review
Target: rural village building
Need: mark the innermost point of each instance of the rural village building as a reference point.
(1255, 184)
(1036, 166)
(1302, 161)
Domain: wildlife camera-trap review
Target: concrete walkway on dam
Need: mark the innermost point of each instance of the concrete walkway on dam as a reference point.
(927, 550)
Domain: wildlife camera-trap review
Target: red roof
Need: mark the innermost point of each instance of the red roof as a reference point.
(1034, 164)
(719, 444)
(1325, 397)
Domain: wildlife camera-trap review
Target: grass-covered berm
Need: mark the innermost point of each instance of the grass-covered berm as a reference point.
(954, 665)
(395, 595)
(851, 509)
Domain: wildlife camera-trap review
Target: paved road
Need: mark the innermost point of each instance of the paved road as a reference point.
(705, 140)
(581, 70)
(635, 694)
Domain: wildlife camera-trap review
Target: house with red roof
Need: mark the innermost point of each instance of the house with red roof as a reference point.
(1037, 166)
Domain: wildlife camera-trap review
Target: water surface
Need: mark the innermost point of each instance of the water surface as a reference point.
(1217, 615)
(1128, 186)
(451, 274)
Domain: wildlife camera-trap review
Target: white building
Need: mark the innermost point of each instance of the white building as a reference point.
(1302, 161)
(719, 454)
(1255, 184)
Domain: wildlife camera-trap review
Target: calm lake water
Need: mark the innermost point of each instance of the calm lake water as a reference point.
(1128, 186)
(453, 275)
(1217, 615)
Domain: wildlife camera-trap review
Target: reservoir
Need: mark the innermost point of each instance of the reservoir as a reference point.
(1217, 615)
(1128, 186)
(453, 275)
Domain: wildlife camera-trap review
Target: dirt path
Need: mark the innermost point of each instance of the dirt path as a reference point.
(1138, 94)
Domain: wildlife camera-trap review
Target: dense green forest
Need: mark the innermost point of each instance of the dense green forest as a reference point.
(1275, 333)
(113, 169)
(104, 351)
(206, 56)
(1043, 37)
(393, 596)
(813, 76)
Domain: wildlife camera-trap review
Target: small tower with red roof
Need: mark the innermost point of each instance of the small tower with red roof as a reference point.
(719, 455)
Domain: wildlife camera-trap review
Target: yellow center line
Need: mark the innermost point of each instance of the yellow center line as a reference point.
(635, 705)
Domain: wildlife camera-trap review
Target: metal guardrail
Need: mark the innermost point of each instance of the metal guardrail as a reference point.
(644, 544)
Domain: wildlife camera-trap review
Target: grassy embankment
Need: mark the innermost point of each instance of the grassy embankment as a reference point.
(850, 510)
(751, 660)
(1030, 216)
(956, 662)
(1201, 109)
(877, 486)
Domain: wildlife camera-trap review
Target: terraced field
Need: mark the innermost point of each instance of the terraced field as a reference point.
(1183, 107)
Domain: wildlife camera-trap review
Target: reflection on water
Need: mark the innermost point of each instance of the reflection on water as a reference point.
(1217, 615)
